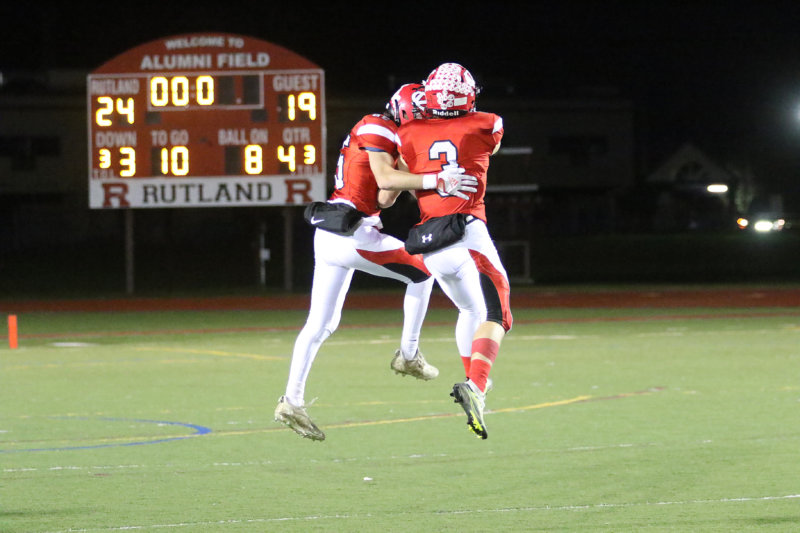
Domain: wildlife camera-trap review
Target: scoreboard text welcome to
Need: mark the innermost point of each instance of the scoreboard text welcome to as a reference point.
(206, 120)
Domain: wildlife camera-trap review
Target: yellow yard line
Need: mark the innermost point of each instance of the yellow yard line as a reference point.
(543, 405)
(219, 353)
(228, 433)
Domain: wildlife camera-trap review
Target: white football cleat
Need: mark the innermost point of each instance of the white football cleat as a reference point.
(417, 367)
(297, 418)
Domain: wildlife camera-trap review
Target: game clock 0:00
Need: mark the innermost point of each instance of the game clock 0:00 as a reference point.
(244, 120)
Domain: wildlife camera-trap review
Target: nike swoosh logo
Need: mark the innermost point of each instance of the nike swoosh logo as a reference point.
(316, 220)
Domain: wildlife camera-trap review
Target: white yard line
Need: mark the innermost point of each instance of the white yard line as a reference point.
(417, 514)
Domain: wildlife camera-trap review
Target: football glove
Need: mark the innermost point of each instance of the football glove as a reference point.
(451, 182)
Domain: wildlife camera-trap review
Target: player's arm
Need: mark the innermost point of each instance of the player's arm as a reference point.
(449, 181)
(387, 198)
(388, 177)
(402, 165)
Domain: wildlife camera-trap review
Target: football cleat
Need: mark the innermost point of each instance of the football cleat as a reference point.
(472, 402)
(417, 367)
(297, 418)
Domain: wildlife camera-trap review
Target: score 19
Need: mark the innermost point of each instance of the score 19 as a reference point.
(291, 106)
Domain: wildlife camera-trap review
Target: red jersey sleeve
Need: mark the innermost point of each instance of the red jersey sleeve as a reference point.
(376, 132)
(354, 180)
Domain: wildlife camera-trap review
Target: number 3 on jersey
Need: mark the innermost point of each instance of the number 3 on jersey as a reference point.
(446, 149)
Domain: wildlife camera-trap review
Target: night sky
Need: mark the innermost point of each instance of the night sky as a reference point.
(723, 75)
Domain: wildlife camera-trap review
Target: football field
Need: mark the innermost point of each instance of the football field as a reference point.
(605, 416)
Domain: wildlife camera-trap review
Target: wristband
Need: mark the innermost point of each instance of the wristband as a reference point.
(430, 181)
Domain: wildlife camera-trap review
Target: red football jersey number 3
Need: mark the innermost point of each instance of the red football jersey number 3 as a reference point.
(446, 149)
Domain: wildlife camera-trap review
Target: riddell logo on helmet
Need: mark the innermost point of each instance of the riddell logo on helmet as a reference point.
(445, 113)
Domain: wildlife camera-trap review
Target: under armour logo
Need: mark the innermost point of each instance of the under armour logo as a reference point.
(315, 220)
(427, 238)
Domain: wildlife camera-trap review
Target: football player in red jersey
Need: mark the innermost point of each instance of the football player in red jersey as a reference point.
(469, 270)
(339, 251)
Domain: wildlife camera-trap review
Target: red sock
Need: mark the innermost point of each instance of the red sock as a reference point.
(478, 368)
(465, 361)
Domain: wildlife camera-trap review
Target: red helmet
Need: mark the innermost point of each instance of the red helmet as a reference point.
(407, 103)
(450, 91)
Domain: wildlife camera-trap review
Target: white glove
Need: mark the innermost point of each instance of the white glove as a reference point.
(451, 182)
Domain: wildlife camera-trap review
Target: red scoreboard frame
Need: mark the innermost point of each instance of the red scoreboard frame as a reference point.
(206, 120)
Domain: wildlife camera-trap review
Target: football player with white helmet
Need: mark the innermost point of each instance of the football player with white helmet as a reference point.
(348, 237)
(452, 234)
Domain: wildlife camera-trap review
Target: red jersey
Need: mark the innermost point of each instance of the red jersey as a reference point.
(429, 145)
(354, 180)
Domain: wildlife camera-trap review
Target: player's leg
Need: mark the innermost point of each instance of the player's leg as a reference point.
(496, 294)
(408, 360)
(471, 394)
(460, 281)
(327, 295)
(385, 256)
(328, 292)
(485, 347)
(415, 307)
(472, 276)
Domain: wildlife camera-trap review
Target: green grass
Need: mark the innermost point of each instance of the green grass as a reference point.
(674, 420)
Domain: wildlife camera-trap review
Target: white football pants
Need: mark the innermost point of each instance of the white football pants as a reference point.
(336, 258)
(471, 274)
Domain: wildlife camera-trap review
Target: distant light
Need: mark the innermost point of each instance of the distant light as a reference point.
(515, 150)
(717, 188)
(763, 226)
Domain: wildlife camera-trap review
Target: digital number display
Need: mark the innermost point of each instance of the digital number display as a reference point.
(206, 120)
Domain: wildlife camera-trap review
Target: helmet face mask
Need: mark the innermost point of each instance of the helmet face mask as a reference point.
(450, 91)
(407, 104)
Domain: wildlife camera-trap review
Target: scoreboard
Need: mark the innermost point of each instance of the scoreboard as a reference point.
(206, 120)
